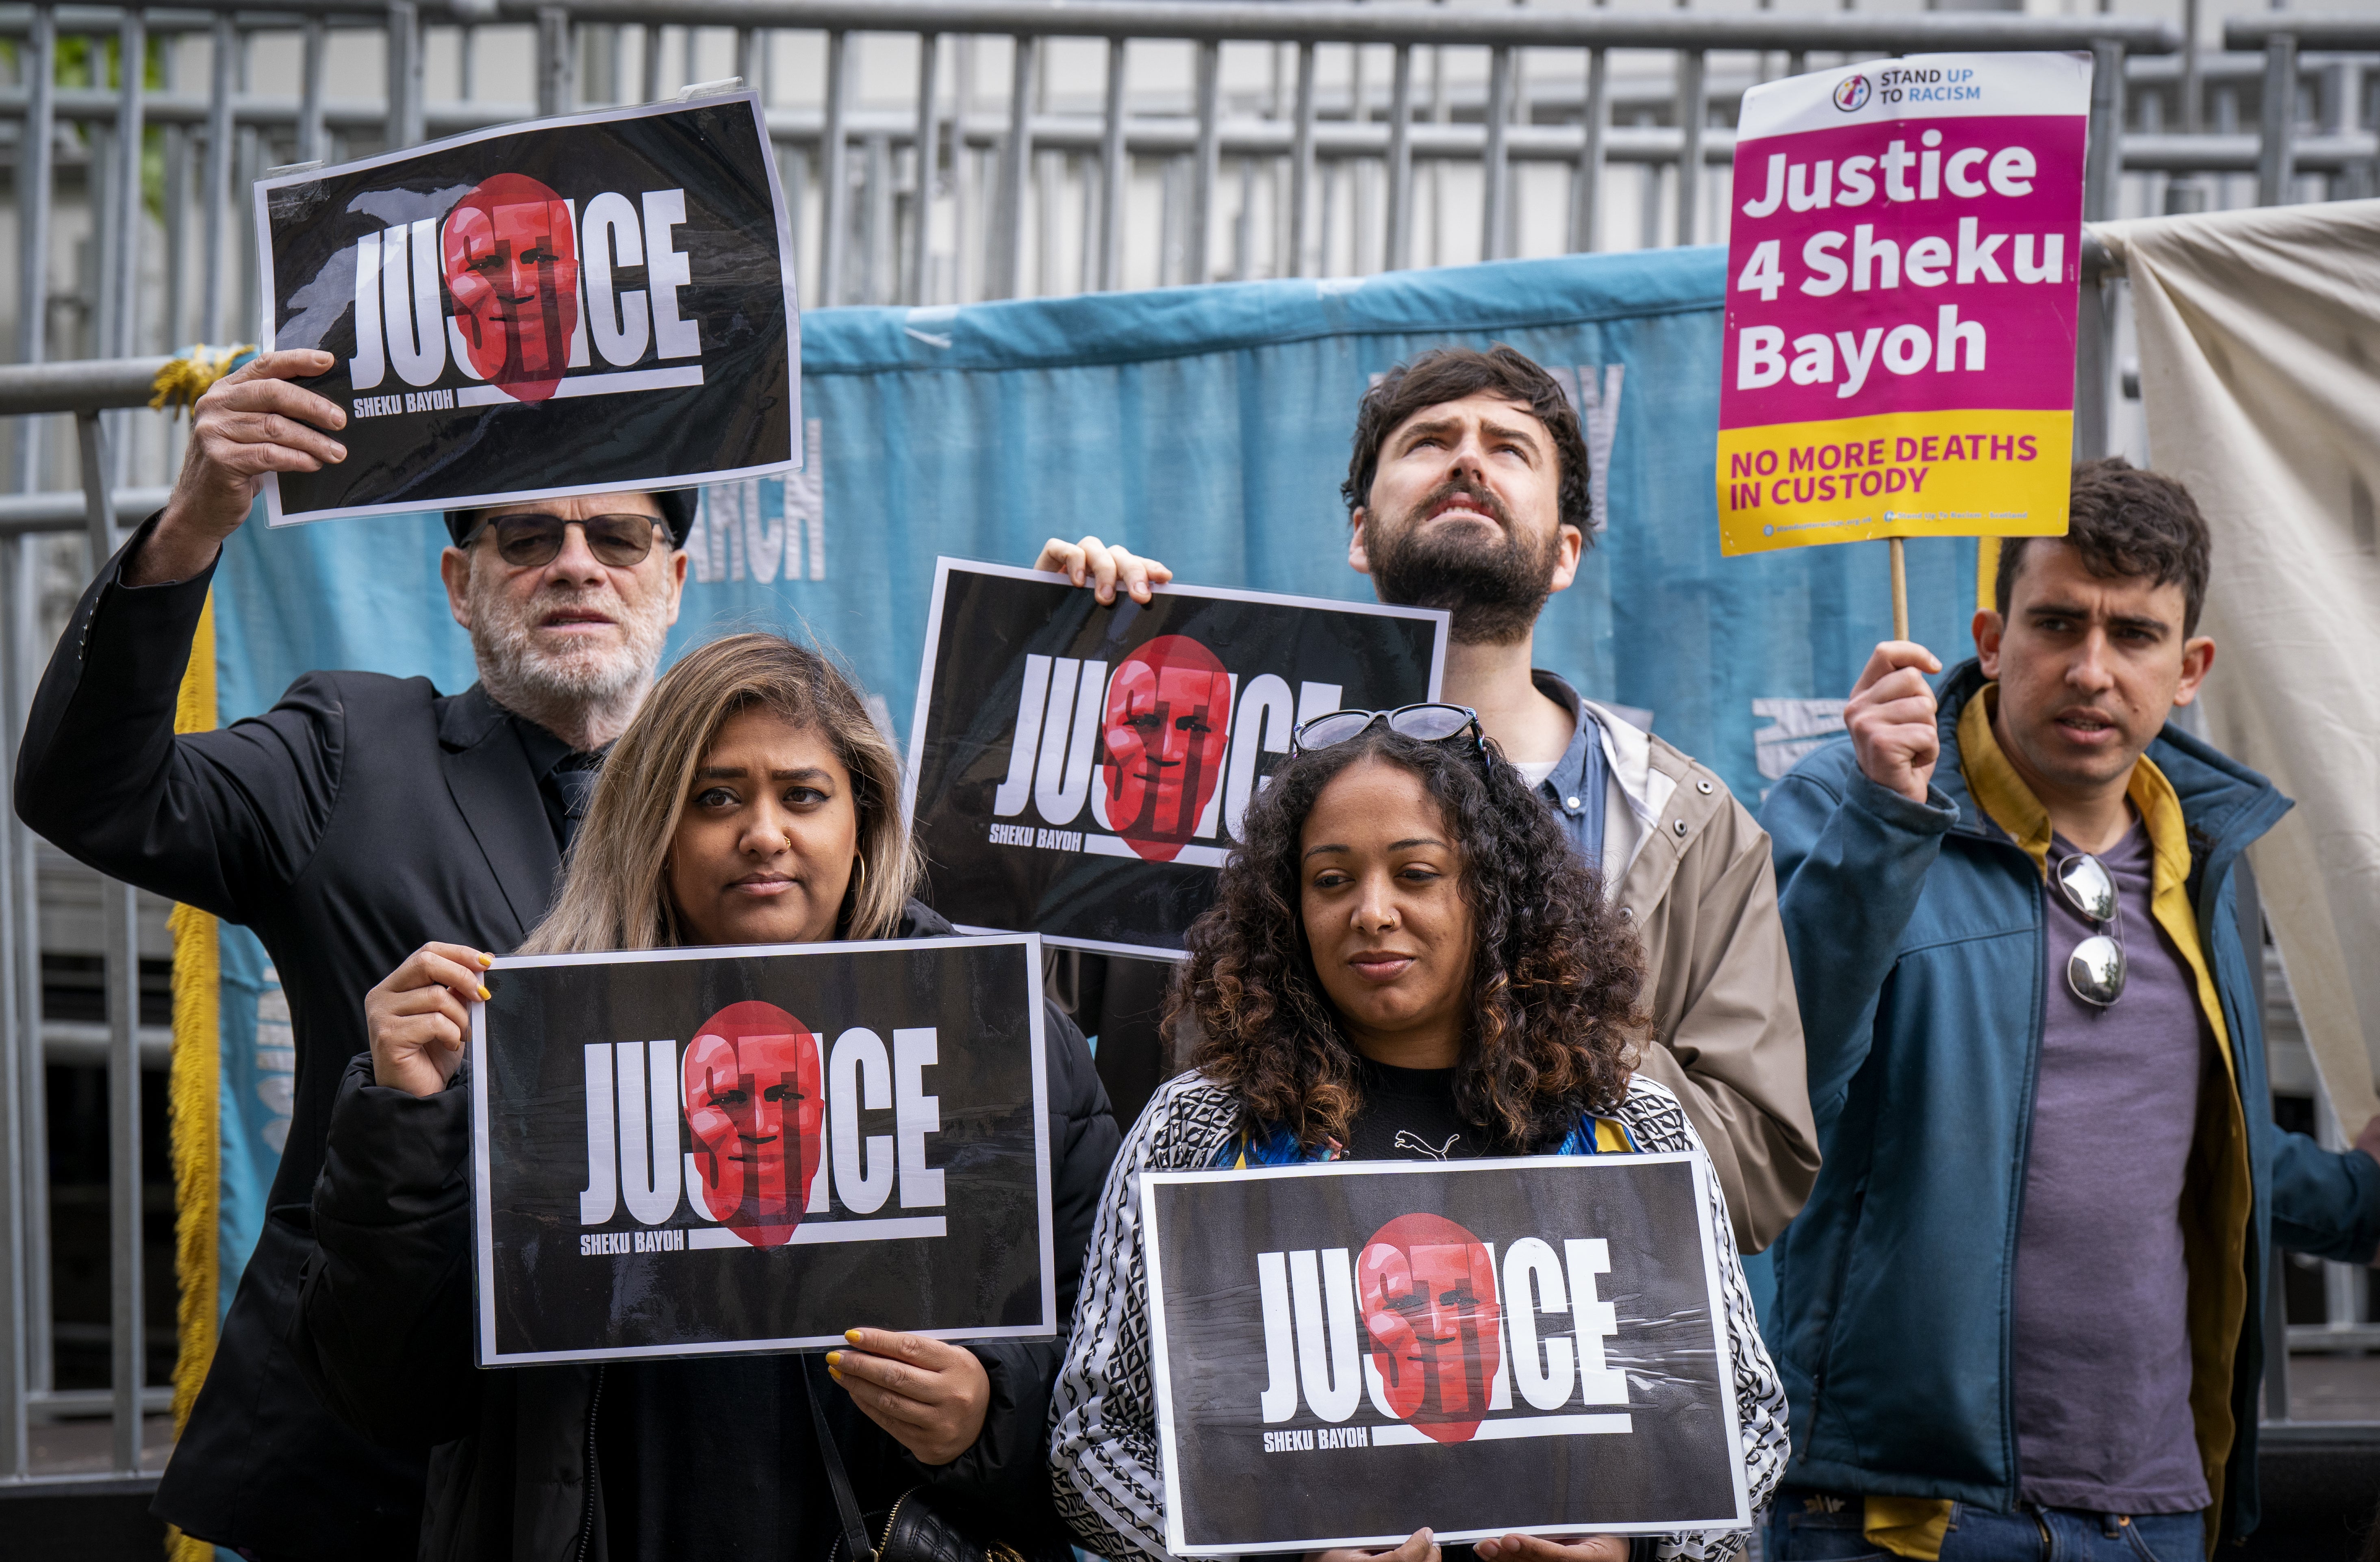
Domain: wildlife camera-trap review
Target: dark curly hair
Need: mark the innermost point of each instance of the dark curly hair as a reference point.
(1445, 374)
(1555, 973)
(2126, 524)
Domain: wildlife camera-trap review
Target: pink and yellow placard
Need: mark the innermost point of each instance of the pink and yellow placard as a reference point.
(1902, 266)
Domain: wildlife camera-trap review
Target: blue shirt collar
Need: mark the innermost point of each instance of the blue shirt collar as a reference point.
(1577, 781)
(1575, 787)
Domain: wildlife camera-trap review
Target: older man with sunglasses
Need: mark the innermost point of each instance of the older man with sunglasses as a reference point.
(2020, 1316)
(357, 818)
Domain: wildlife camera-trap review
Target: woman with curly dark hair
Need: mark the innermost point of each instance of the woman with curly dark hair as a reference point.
(1404, 962)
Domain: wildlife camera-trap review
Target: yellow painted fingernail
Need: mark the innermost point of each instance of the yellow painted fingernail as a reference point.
(834, 1374)
(834, 1359)
(485, 961)
(483, 994)
(851, 1334)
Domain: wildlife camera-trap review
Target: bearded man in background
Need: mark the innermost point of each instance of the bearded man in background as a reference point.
(1467, 489)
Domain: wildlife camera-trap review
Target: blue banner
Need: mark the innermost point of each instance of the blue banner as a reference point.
(1207, 427)
(255, 1090)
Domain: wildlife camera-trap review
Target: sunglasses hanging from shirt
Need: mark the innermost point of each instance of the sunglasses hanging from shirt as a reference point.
(2095, 969)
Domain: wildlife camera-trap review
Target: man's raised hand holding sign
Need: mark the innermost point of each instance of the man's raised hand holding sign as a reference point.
(1105, 567)
(1890, 718)
(253, 420)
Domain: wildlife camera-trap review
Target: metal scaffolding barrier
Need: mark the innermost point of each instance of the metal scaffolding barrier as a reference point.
(1009, 148)
(27, 1043)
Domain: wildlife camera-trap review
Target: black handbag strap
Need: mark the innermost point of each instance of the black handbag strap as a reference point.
(855, 1528)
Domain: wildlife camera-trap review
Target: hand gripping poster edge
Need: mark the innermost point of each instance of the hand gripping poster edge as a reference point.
(268, 322)
(483, 1330)
(945, 565)
(1176, 1537)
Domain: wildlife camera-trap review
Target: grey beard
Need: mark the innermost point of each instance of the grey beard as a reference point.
(1492, 592)
(583, 696)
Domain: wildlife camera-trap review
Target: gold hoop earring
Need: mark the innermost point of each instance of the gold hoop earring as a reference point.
(859, 877)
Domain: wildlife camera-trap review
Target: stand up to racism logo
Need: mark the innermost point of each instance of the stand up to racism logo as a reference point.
(635, 263)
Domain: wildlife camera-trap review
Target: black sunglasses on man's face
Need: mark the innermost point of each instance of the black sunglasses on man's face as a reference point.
(529, 539)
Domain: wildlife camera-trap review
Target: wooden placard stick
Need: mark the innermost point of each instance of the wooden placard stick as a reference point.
(1899, 590)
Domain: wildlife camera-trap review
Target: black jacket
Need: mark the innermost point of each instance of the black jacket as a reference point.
(359, 819)
(384, 1331)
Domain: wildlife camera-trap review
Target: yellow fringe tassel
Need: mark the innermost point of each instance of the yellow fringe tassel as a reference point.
(179, 385)
(194, 1108)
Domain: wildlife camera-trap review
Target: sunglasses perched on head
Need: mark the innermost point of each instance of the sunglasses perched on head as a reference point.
(531, 538)
(1433, 722)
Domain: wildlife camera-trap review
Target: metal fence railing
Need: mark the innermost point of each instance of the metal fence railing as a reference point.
(948, 151)
(2350, 90)
(934, 151)
(29, 1043)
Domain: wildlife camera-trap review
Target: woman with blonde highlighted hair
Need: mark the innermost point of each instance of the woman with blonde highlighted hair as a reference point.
(751, 801)
(623, 889)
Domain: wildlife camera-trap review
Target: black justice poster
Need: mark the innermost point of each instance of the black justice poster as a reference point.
(756, 1149)
(1347, 1352)
(569, 306)
(1080, 771)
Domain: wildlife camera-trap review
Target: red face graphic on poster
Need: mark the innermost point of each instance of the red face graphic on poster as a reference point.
(755, 1106)
(1427, 1289)
(1169, 717)
(511, 260)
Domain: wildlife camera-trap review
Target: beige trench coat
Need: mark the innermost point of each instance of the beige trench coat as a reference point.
(1688, 867)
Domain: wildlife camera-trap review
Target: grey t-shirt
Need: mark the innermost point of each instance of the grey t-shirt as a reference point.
(2102, 1344)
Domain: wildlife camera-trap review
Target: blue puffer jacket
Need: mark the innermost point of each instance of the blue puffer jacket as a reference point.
(1916, 932)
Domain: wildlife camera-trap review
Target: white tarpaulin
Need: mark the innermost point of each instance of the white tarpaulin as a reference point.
(2260, 372)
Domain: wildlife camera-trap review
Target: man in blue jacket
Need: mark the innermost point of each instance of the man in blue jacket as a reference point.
(2020, 1316)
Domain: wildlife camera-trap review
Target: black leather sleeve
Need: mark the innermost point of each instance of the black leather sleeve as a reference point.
(383, 1328)
(214, 819)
